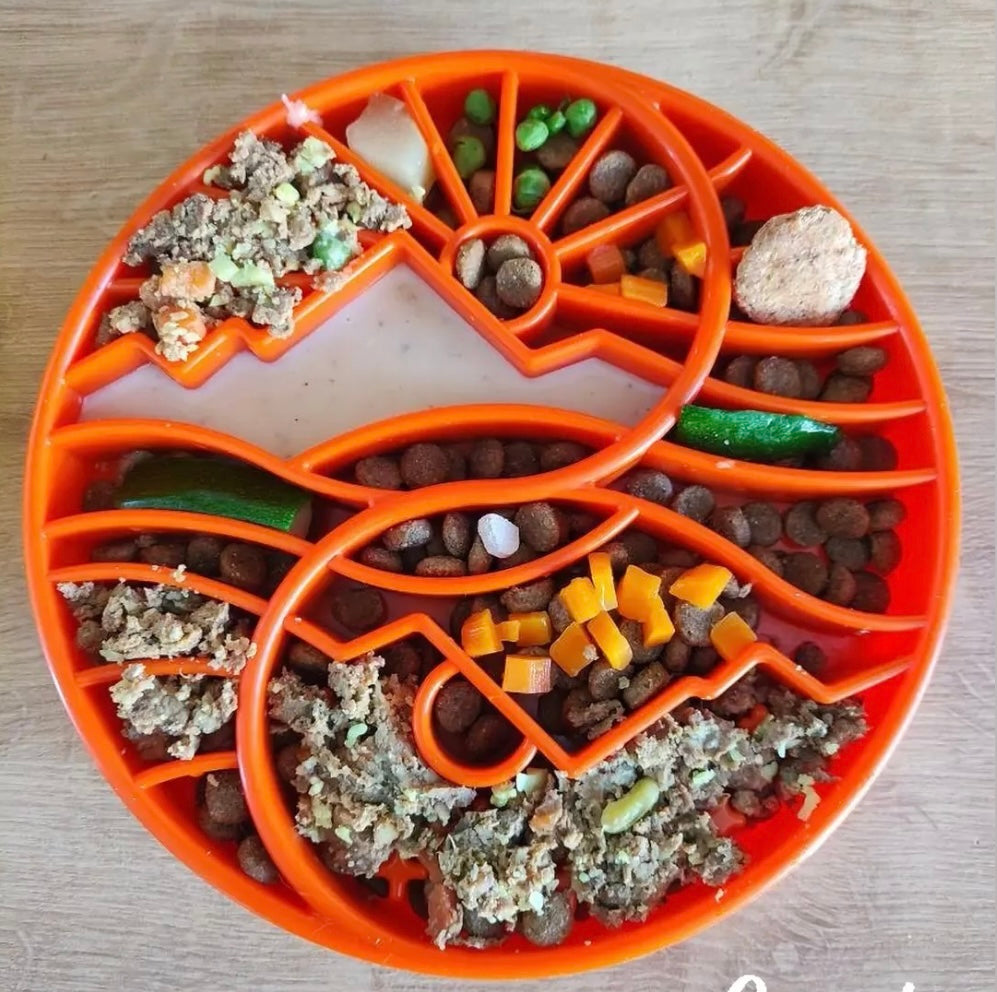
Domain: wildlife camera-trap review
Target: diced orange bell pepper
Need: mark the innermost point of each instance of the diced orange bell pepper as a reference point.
(573, 650)
(674, 231)
(480, 635)
(612, 288)
(526, 673)
(636, 592)
(187, 280)
(650, 291)
(601, 570)
(614, 646)
(752, 720)
(657, 625)
(692, 258)
(580, 599)
(534, 628)
(606, 263)
(731, 635)
(701, 585)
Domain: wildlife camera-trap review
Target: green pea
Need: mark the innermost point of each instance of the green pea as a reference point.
(529, 188)
(530, 135)
(479, 107)
(581, 116)
(621, 814)
(468, 155)
(538, 113)
(331, 249)
(556, 122)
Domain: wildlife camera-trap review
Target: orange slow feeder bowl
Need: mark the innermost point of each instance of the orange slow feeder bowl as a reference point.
(884, 659)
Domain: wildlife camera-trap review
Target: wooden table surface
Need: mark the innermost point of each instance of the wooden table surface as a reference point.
(892, 104)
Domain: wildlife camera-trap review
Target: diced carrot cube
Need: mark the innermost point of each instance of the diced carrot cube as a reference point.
(611, 288)
(613, 645)
(580, 599)
(701, 585)
(573, 650)
(606, 264)
(657, 625)
(636, 592)
(674, 231)
(601, 570)
(650, 291)
(692, 258)
(731, 635)
(508, 630)
(534, 628)
(187, 280)
(526, 673)
(479, 635)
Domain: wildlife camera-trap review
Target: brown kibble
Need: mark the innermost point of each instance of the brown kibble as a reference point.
(90, 636)
(98, 495)
(734, 210)
(542, 526)
(764, 522)
(843, 518)
(255, 862)
(806, 571)
(520, 556)
(125, 549)
(810, 380)
(457, 706)
(693, 625)
(358, 609)
(703, 660)
(678, 558)
(619, 556)
(487, 293)
(841, 586)
(885, 551)
(845, 389)
(286, 762)
(683, 290)
(584, 212)
(861, 360)
(441, 567)
(223, 798)
(560, 619)
(469, 263)
(649, 484)
(307, 660)
(219, 831)
(403, 658)
(243, 566)
(878, 454)
(479, 560)
(872, 594)
(769, 557)
(730, 522)
(457, 534)
(519, 282)
(634, 634)
(777, 377)
(801, 527)
(487, 459)
(377, 557)
(611, 174)
(556, 152)
(641, 547)
(521, 459)
(561, 453)
(167, 554)
(603, 680)
(530, 597)
(378, 472)
(410, 534)
(582, 712)
(487, 737)
(649, 256)
(481, 187)
(506, 247)
(885, 514)
(852, 552)
(457, 460)
(581, 522)
(740, 371)
(743, 231)
(694, 502)
(551, 925)
(746, 607)
(424, 465)
(204, 554)
(677, 655)
(645, 684)
(811, 657)
(648, 181)
(845, 456)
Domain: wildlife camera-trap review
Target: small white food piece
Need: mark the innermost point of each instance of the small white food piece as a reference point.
(470, 263)
(800, 269)
(387, 137)
(298, 112)
(499, 536)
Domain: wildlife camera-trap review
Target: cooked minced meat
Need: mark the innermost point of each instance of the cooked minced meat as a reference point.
(130, 622)
(285, 212)
(183, 707)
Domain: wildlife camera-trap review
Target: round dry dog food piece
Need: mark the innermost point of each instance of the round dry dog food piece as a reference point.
(529, 598)
(878, 454)
(801, 526)
(469, 263)
(841, 586)
(520, 556)
(649, 256)
(475, 925)
(585, 211)
(542, 526)
(441, 567)
(885, 514)
(378, 472)
(603, 680)
(845, 456)
(703, 660)
(764, 522)
(694, 502)
(746, 607)
(403, 659)
(552, 924)
(99, 495)
(611, 174)
(481, 188)
(676, 656)
(457, 534)
(506, 247)
(521, 459)
(519, 282)
(645, 684)
(806, 571)
(683, 290)
(124, 550)
(219, 831)
(166, 554)
(424, 465)
(810, 380)
(286, 762)
(377, 557)
(649, 484)
(410, 534)
(810, 656)
(306, 659)
(641, 547)
(778, 377)
(486, 460)
(243, 566)
(359, 609)
(801, 268)
(693, 625)
(487, 737)
(731, 523)
(224, 799)
(678, 558)
(560, 619)
(884, 550)
(255, 862)
(852, 552)
(769, 557)
(657, 275)
(204, 554)
(872, 594)
(864, 359)
(649, 180)
(487, 293)
(457, 460)
(634, 634)
(619, 557)
(843, 518)
(561, 453)
(457, 705)
(740, 371)
(556, 152)
(479, 560)
(845, 389)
